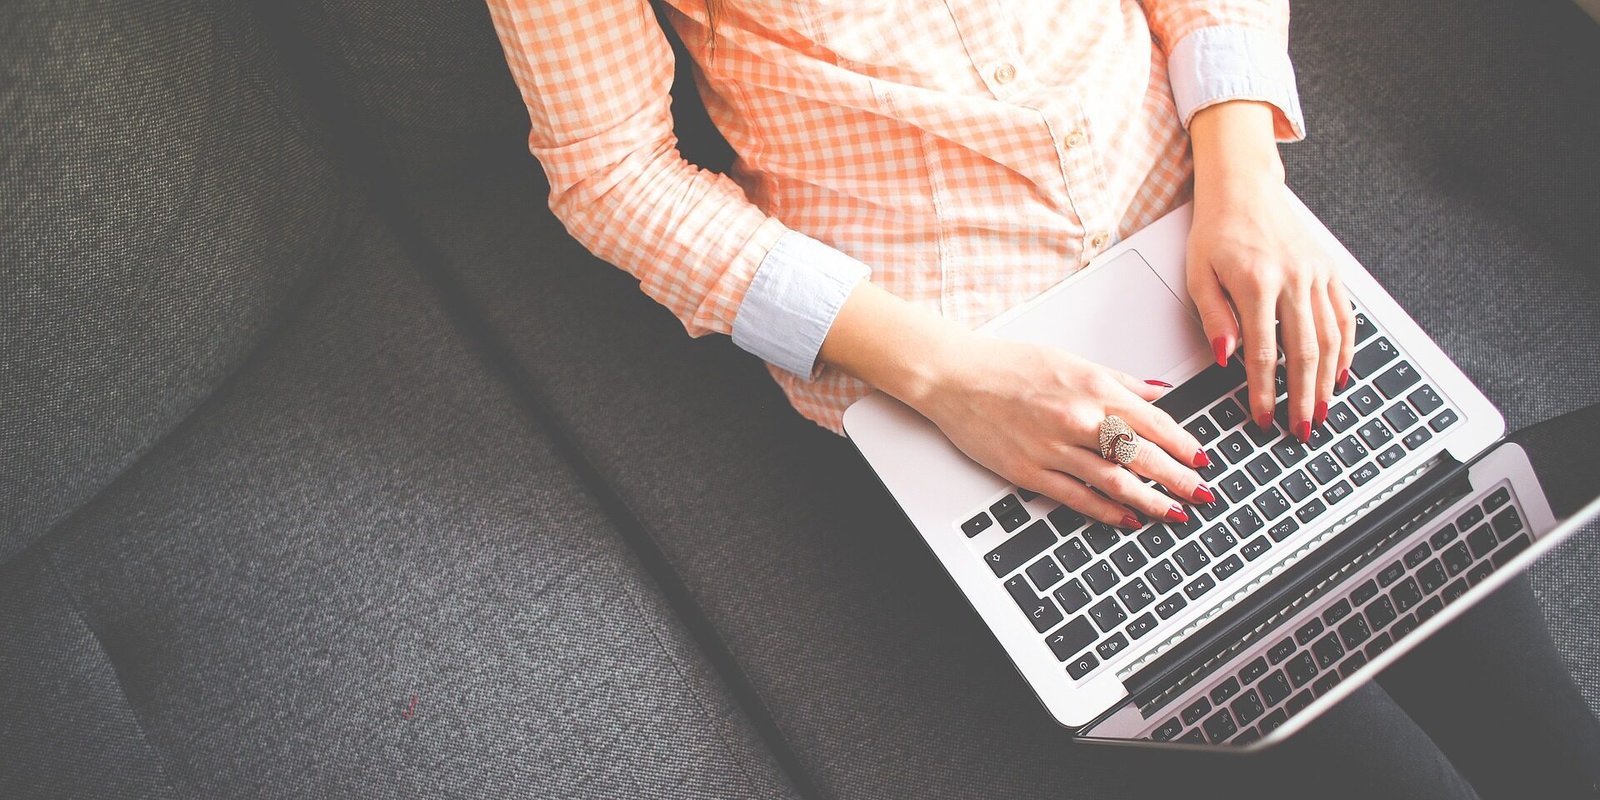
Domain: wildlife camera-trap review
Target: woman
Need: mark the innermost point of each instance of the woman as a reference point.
(908, 170)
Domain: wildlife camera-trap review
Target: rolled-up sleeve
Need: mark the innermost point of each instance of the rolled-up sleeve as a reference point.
(1220, 50)
(596, 78)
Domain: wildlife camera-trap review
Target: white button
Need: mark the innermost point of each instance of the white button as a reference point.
(1076, 139)
(1004, 73)
(1098, 240)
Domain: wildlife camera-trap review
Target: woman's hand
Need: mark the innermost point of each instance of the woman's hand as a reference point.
(1257, 274)
(1032, 415)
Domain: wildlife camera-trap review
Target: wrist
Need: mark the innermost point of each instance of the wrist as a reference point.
(1235, 150)
(904, 350)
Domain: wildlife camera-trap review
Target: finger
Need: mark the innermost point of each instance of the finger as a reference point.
(1072, 493)
(1260, 354)
(1160, 429)
(1148, 389)
(1347, 331)
(1216, 313)
(1179, 480)
(1119, 484)
(1329, 340)
(1301, 352)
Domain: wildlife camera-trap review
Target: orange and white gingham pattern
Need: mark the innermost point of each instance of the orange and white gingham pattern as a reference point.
(971, 152)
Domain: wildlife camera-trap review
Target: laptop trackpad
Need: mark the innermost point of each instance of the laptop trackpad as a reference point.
(1121, 314)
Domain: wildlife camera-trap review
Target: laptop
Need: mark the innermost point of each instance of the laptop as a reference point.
(1318, 564)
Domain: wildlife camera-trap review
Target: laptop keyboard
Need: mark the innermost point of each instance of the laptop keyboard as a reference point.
(1091, 590)
(1320, 649)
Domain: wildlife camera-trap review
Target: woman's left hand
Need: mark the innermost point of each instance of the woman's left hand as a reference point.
(1258, 275)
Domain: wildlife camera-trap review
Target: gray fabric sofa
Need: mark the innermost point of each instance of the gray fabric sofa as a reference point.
(331, 467)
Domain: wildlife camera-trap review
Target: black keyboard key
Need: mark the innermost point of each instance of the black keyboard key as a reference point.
(1100, 577)
(1254, 548)
(1184, 530)
(1275, 688)
(1364, 328)
(1191, 557)
(1429, 607)
(1431, 577)
(1396, 379)
(1141, 625)
(1020, 549)
(1380, 613)
(1281, 530)
(1204, 388)
(1391, 573)
(1299, 702)
(1400, 417)
(1167, 731)
(1226, 567)
(1370, 358)
(1403, 626)
(1128, 558)
(1004, 504)
(1041, 612)
(1481, 541)
(1281, 650)
(1326, 683)
(1196, 711)
(1236, 447)
(1220, 726)
(1082, 665)
(1301, 669)
(1045, 573)
(1507, 524)
(1418, 554)
(1073, 554)
(1072, 596)
(1443, 536)
(1469, 518)
(1379, 643)
(1214, 467)
(1366, 591)
(1339, 610)
(1405, 595)
(977, 525)
(1324, 469)
(1354, 631)
(1454, 589)
(1208, 512)
(1248, 707)
(1337, 492)
(1199, 586)
(1222, 691)
(1425, 400)
(1027, 495)
(1071, 638)
(1136, 595)
(1236, 486)
(1010, 512)
(1308, 631)
(1364, 473)
(1509, 549)
(1102, 537)
(1496, 499)
(1202, 429)
(1065, 520)
(1218, 540)
(1273, 721)
(1298, 486)
(1365, 402)
(1417, 438)
(1340, 417)
(1193, 737)
(1478, 572)
(1264, 469)
(1172, 605)
(1227, 414)
(1107, 614)
(1319, 438)
(1289, 452)
(1113, 645)
(1310, 511)
(1253, 670)
(1354, 662)
(1327, 650)
(1271, 503)
(1156, 540)
(1445, 419)
(1163, 577)
(1375, 434)
(1349, 451)
(1245, 521)
(1391, 456)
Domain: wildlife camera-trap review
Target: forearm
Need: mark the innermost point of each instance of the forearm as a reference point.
(890, 343)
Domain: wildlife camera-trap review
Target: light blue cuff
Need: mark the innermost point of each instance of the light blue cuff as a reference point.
(1221, 63)
(792, 301)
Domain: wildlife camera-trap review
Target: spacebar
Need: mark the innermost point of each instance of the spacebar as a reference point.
(1202, 390)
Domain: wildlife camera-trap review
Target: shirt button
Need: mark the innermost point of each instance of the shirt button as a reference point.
(1098, 240)
(1004, 73)
(1076, 139)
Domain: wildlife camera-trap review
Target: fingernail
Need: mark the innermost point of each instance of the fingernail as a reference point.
(1130, 521)
(1176, 514)
(1220, 346)
(1264, 421)
(1321, 414)
(1162, 384)
(1201, 459)
(1302, 431)
(1203, 495)
(1344, 378)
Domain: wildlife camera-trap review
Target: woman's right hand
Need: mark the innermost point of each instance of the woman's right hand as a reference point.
(1032, 414)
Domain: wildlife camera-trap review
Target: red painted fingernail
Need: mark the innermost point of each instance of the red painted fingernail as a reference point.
(1177, 514)
(1321, 414)
(1162, 384)
(1264, 421)
(1130, 521)
(1202, 494)
(1220, 346)
(1302, 431)
(1201, 459)
(1344, 378)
